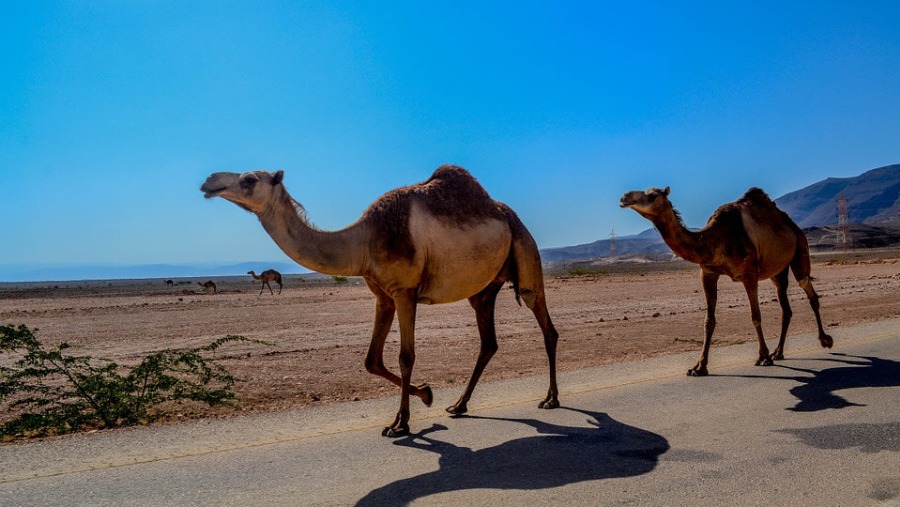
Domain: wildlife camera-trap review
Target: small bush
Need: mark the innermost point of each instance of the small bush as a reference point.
(338, 280)
(577, 271)
(51, 392)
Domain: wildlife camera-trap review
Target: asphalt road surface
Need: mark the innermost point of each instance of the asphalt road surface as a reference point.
(821, 428)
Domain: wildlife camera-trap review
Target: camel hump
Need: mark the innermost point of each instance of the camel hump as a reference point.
(452, 192)
(757, 195)
(449, 172)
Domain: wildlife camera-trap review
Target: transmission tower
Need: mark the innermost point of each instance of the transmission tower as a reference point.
(844, 241)
(612, 243)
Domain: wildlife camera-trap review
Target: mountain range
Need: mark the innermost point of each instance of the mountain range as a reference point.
(873, 200)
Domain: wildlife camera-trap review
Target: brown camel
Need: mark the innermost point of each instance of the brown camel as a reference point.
(170, 283)
(438, 241)
(748, 240)
(209, 284)
(269, 275)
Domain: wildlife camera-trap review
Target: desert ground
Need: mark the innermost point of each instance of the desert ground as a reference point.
(320, 329)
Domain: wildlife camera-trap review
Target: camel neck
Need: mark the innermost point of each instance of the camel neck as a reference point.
(329, 252)
(685, 243)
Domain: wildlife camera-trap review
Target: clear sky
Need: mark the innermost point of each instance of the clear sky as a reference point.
(113, 113)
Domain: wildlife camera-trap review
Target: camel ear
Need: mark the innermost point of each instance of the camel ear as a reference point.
(277, 177)
(666, 191)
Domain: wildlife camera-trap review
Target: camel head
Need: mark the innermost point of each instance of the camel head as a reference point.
(649, 203)
(252, 191)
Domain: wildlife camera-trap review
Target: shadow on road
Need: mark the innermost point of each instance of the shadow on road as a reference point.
(818, 392)
(869, 437)
(560, 455)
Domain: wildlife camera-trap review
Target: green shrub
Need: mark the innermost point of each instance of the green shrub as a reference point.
(338, 280)
(52, 392)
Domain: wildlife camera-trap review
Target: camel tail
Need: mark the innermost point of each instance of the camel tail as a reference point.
(526, 274)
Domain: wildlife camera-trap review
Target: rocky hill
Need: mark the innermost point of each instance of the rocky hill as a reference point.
(872, 197)
(647, 243)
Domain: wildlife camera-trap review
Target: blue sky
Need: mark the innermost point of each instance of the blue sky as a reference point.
(113, 113)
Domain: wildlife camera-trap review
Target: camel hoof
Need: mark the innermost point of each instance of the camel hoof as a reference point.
(427, 395)
(777, 356)
(395, 432)
(764, 361)
(826, 341)
(697, 372)
(549, 404)
(457, 409)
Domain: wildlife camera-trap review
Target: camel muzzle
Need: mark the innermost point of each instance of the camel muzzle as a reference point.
(211, 189)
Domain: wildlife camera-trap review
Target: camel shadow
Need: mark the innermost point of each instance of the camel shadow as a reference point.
(560, 455)
(818, 392)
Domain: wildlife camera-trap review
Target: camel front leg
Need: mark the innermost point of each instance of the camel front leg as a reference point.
(483, 303)
(711, 291)
(781, 282)
(752, 287)
(384, 317)
(405, 302)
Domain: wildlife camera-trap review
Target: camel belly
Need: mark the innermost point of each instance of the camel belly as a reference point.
(458, 261)
(775, 244)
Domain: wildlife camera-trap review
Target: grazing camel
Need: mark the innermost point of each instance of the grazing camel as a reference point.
(208, 285)
(170, 283)
(438, 241)
(748, 240)
(269, 275)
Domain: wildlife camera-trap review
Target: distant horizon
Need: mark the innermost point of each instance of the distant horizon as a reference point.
(68, 272)
(74, 272)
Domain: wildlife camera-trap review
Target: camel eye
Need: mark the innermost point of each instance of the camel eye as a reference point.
(248, 180)
(653, 197)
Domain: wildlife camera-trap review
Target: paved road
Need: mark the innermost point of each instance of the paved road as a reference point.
(821, 428)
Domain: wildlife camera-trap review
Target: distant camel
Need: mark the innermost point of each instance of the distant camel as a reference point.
(208, 285)
(269, 275)
(749, 240)
(438, 241)
(170, 283)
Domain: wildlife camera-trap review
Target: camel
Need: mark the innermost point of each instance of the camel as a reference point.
(170, 283)
(209, 284)
(748, 240)
(269, 275)
(438, 241)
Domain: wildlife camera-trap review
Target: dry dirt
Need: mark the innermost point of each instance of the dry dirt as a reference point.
(321, 330)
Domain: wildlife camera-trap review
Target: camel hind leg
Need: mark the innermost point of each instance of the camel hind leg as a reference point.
(529, 282)
(801, 268)
(551, 338)
(483, 303)
(751, 285)
(781, 282)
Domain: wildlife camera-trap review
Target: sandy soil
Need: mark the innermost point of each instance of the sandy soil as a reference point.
(321, 330)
